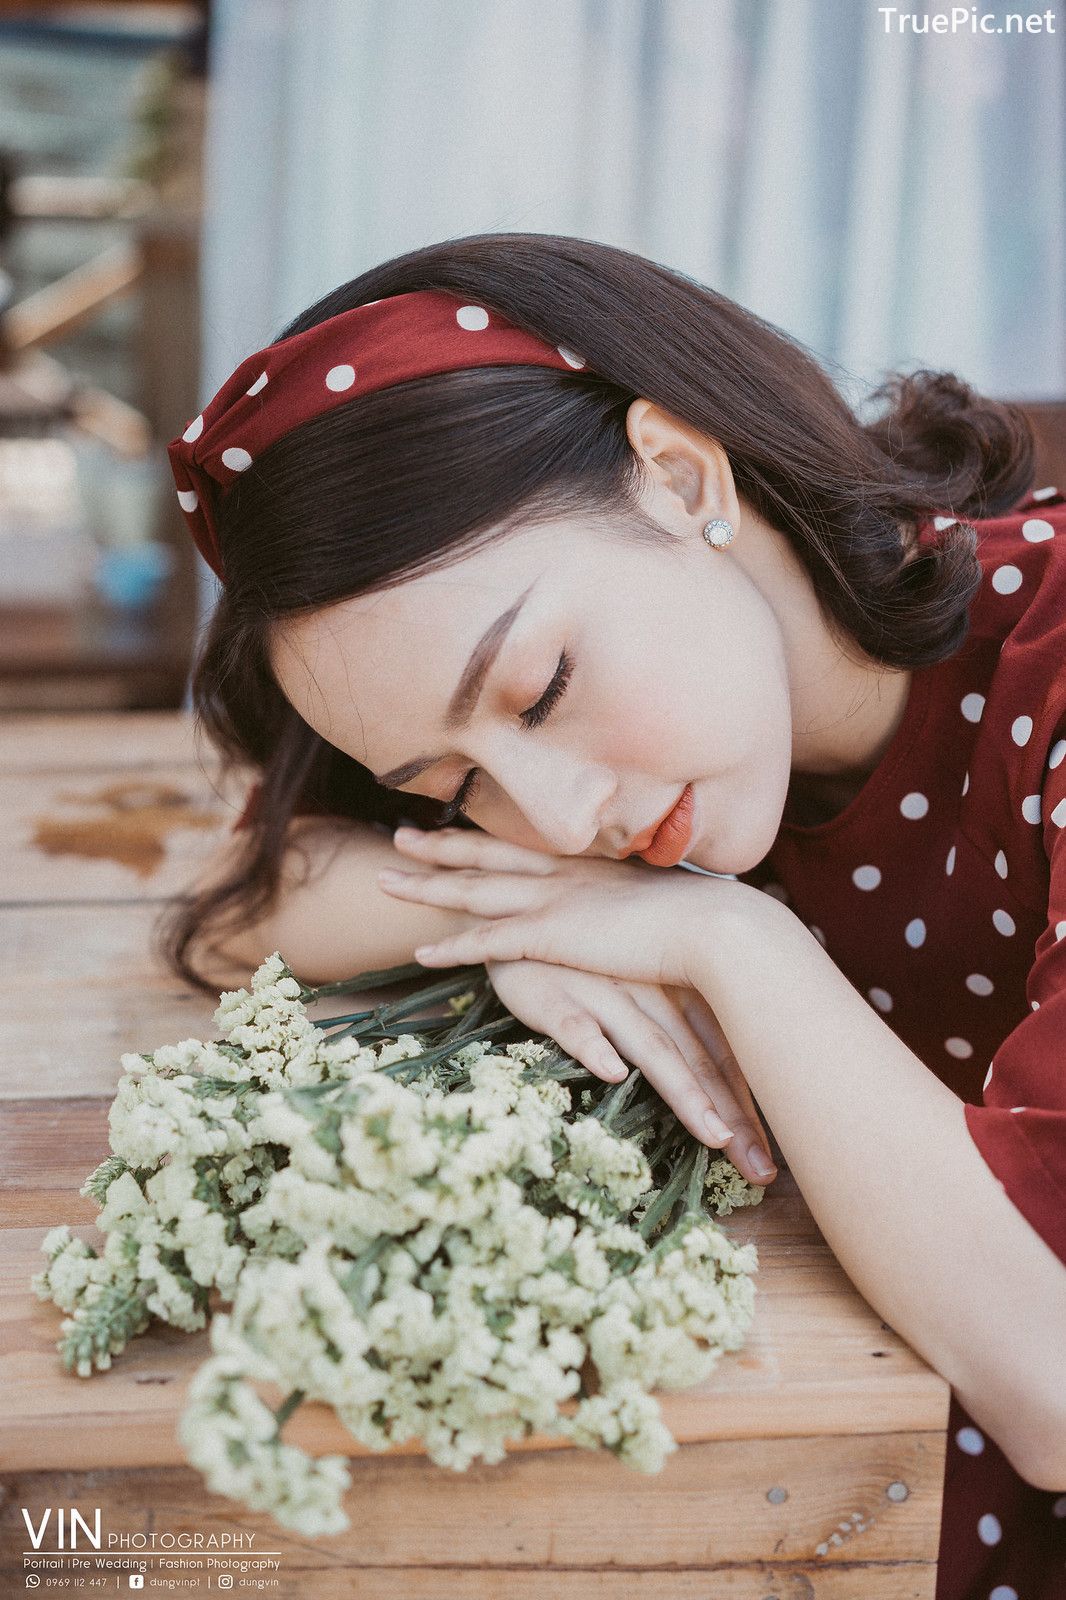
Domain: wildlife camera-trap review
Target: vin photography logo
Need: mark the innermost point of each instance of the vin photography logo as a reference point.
(68, 1539)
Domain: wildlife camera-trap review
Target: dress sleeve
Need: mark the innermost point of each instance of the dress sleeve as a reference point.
(1020, 1129)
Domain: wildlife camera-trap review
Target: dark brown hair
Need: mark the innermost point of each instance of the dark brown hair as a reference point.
(411, 477)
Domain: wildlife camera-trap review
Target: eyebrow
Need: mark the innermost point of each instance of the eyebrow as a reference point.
(462, 703)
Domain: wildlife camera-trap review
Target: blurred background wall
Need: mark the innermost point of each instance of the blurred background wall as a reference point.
(177, 180)
(889, 199)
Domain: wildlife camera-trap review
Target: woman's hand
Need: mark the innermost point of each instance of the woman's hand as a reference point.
(597, 957)
(670, 1035)
(615, 917)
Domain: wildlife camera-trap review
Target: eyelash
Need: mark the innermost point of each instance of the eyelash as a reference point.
(532, 718)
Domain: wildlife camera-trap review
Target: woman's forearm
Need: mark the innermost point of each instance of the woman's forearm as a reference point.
(330, 918)
(881, 1152)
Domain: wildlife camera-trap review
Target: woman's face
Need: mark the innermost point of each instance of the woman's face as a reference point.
(575, 680)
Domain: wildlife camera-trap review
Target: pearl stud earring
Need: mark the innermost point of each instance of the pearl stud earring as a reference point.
(718, 533)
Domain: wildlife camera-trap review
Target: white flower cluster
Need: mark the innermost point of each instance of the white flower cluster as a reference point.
(460, 1262)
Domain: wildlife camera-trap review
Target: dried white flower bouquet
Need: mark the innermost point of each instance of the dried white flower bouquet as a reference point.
(417, 1229)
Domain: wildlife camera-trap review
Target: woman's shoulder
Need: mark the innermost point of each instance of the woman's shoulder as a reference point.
(1023, 561)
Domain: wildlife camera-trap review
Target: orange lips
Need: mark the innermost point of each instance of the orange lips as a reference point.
(672, 836)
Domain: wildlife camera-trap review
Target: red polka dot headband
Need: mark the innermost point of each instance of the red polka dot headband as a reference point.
(370, 347)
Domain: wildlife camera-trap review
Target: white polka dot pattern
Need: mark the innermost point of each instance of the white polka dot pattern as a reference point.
(236, 459)
(989, 1530)
(340, 377)
(970, 1440)
(472, 318)
(259, 385)
(1031, 808)
(1006, 579)
(188, 499)
(939, 906)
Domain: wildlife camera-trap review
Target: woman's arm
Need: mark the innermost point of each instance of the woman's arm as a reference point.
(878, 1145)
(883, 1157)
(330, 918)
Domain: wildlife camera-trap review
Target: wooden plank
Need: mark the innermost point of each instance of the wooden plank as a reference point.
(110, 836)
(103, 954)
(101, 743)
(708, 1509)
(88, 990)
(769, 1581)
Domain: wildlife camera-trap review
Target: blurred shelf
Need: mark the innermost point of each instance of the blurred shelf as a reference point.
(89, 659)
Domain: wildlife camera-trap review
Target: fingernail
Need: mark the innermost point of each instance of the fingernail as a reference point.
(390, 875)
(759, 1163)
(424, 951)
(715, 1126)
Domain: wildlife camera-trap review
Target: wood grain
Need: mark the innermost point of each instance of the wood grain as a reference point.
(578, 1511)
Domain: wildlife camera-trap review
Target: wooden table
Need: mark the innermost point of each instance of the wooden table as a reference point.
(811, 1462)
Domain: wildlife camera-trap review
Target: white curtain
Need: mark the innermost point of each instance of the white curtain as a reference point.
(887, 198)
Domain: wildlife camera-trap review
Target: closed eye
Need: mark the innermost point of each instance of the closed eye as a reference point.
(532, 718)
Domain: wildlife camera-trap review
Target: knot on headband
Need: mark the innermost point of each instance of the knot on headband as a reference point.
(369, 347)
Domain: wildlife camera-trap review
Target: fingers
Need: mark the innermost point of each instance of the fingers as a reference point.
(485, 894)
(508, 939)
(582, 1037)
(649, 1046)
(541, 997)
(750, 1151)
(462, 847)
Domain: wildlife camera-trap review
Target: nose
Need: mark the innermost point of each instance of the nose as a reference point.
(562, 797)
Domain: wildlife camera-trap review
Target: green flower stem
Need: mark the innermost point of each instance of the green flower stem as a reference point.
(617, 1098)
(441, 1052)
(286, 1409)
(382, 1015)
(694, 1193)
(362, 981)
(662, 1206)
(475, 1012)
(335, 1022)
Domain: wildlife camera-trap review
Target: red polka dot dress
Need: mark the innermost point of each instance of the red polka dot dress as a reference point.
(940, 892)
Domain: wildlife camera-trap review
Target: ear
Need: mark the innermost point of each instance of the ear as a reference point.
(689, 474)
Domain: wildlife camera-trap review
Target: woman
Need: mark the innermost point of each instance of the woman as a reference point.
(533, 530)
